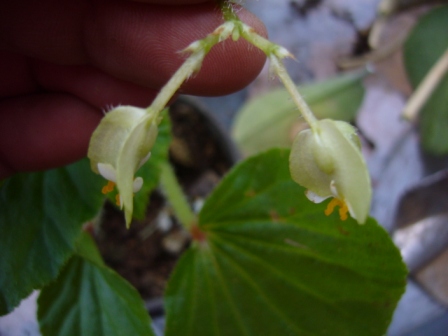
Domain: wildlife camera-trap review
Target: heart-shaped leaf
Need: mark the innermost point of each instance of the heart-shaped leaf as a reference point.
(88, 298)
(271, 263)
(40, 218)
(424, 46)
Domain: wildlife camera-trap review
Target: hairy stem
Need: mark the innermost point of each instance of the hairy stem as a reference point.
(198, 49)
(275, 54)
(191, 65)
(279, 68)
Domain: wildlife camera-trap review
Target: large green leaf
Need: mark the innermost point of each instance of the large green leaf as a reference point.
(272, 120)
(88, 298)
(273, 264)
(40, 218)
(424, 46)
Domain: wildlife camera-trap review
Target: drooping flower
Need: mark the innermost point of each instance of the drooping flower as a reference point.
(119, 146)
(327, 160)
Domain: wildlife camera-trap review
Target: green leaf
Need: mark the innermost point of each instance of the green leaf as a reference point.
(89, 298)
(40, 218)
(272, 120)
(273, 264)
(424, 46)
(87, 249)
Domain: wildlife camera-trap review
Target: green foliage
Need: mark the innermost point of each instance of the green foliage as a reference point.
(424, 46)
(273, 264)
(40, 219)
(88, 298)
(272, 120)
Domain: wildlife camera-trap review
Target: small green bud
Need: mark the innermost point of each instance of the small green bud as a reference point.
(328, 162)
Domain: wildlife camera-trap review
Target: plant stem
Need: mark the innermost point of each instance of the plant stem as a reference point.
(279, 68)
(198, 49)
(275, 54)
(174, 193)
(192, 64)
(426, 88)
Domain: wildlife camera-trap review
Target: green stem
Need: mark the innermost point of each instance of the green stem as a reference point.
(175, 195)
(198, 49)
(249, 34)
(191, 65)
(279, 68)
(275, 54)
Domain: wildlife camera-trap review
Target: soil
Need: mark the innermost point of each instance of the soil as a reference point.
(146, 253)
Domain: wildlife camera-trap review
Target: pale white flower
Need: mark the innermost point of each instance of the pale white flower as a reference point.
(328, 162)
(119, 146)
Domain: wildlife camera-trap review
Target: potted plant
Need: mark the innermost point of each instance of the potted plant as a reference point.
(268, 253)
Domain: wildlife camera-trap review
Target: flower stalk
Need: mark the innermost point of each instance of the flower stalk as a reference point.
(279, 69)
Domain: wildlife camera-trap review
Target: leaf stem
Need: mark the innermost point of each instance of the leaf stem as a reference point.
(174, 193)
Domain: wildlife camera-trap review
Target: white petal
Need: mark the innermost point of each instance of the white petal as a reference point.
(314, 197)
(107, 171)
(137, 185)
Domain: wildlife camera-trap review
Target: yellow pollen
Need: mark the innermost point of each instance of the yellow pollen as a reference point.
(108, 187)
(117, 200)
(343, 208)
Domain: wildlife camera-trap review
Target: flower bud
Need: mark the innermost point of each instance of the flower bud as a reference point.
(119, 146)
(328, 162)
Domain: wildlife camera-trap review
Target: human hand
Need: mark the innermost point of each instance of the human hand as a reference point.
(63, 63)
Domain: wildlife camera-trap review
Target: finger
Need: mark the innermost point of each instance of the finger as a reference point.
(148, 48)
(174, 2)
(44, 131)
(20, 76)
(91, 85)
(137, 42)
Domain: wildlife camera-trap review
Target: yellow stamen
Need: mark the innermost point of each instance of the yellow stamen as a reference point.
(330, 207)
(108, 187)
(343, 212)
(343, 208)
(117, 200)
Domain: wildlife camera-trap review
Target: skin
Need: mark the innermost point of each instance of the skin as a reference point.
(64, 62)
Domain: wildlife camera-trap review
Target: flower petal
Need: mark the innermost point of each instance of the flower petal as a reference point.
(136, 147)
(110, 135)
(304, 168)
(351, 177)
(107, 171)
(137, 185)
